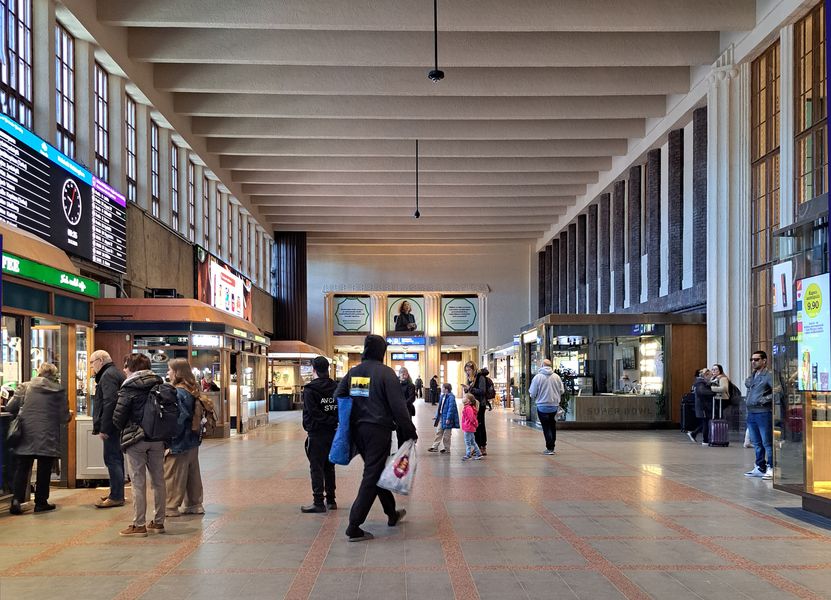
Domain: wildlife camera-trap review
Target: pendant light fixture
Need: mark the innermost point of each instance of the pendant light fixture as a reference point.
(417, 214)
(436, 75)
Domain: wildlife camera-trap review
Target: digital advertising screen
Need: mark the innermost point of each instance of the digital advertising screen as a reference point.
(221, 286)
(47, 194)
(812, 325)
(405, 314)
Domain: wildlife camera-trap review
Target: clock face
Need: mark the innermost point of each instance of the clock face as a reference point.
(71, 199)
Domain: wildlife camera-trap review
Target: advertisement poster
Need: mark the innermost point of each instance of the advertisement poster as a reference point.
(351, 315)
(782, 286)
(459, 314)
(812, 326)
(405, 314)
(221, 286)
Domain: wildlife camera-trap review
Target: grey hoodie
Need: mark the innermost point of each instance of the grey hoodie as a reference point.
(546, 389)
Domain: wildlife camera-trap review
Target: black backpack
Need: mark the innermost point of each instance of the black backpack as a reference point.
(490, 391)
(161, 413)
(735, 394)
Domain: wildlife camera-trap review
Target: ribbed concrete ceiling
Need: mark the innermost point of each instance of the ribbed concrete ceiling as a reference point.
(313, 106)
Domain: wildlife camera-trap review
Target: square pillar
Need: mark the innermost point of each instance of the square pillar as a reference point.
(653, 223)
(635, 252)
(604, 253)
(591, 259)
(581, 264)
(618, 241)
(675, 196)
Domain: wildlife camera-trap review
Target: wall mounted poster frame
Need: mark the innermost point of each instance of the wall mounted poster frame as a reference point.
(352, 315)
(411, 323)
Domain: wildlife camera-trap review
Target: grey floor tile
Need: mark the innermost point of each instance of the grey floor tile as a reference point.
(336, 586)
(618, 526)
(656, 552)
(782, 552)
(818, 581)
(710, 585)
(498, 586)
(38, 588)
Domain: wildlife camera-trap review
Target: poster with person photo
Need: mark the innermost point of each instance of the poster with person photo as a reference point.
(405, 314)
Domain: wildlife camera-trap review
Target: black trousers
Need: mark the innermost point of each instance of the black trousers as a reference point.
(482, 433)
(373, 443)
(21, 478)
(549, 428)
(703, 427)
(322, 471)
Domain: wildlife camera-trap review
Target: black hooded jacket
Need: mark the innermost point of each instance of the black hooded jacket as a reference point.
(320, 410)
(376, 391)
(108, 381)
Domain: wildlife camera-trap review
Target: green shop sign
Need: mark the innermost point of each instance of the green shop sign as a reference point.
(29, 269)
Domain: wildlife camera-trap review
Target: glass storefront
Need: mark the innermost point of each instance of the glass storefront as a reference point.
(801, 359)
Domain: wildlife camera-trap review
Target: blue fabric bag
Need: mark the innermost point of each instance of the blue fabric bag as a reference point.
(342, 450)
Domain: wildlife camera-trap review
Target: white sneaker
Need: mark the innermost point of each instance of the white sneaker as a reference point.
(768, 474)
(755, 472)
(748, 445)
(549, 452)
(691, 436)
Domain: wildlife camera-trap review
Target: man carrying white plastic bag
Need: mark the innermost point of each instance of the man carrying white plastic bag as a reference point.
(400, 471)
(378, 408)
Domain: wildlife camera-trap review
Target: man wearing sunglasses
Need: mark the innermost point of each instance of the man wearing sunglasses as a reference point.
(759, 417)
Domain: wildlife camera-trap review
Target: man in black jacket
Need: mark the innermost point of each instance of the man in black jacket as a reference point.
(377, 406)
(320, 420)
(108, 379)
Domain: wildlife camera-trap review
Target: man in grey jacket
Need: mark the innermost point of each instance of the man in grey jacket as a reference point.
(108, 380)
(759, 417)
(546, 390)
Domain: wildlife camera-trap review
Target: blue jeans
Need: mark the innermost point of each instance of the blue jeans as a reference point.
(760, 426)
(471, 447)
(114, 459)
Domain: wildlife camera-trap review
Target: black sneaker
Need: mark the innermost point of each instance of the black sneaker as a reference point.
(332, 505)
(15, 508)
(313, 508)
(359, 535)
(433, 450)
(44, 507)
(395, 520)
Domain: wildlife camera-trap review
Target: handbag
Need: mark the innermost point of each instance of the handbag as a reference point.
(15, 433)
(342, 450)
(399, 473)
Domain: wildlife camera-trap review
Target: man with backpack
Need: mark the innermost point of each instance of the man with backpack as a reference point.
(143, 434)
(320, 420)
(546, 390)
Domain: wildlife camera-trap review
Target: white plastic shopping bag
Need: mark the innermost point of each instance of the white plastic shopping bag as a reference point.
(400, 471)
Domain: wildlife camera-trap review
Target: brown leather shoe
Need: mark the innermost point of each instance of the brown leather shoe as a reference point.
(153, 527)
(133, 531)
(109, 503)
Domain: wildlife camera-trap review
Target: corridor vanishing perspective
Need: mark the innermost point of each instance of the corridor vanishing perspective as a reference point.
(612, 515)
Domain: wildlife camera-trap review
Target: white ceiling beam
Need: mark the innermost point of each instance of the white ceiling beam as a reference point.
(421, 129)
(415, 226)
(403, 81)
(407, 209)
(414, 49)
(460, 15)
(406, 191)
(408, 178)
(404, 148)
(419, 107)
(269, 204)
(395, 218)
(330, 164)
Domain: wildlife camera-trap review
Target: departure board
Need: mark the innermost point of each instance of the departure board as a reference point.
(44, 192)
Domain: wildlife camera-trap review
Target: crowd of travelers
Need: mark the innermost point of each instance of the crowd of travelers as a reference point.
(158, 424)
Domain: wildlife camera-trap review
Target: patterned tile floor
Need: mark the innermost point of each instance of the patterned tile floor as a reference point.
(613, 515)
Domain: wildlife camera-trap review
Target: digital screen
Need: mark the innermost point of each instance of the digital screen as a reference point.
(222, 287)
(47, 194)
(812, 326)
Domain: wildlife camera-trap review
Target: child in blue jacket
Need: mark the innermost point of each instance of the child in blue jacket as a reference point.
(447, 419)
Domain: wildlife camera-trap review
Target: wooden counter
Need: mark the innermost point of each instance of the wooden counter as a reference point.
(613, 408)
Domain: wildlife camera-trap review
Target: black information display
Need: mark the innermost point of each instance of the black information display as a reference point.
(44, 192)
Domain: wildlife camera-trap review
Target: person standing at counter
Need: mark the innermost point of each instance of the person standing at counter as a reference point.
(546, 390)
(41, 406)
(320, 420)
(703, 402)
(108, 380)
(759, 416)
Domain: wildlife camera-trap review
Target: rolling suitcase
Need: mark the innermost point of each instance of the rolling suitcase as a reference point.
(688, 419)
(719, 431)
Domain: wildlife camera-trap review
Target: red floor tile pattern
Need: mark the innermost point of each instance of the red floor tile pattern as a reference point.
(436, 490)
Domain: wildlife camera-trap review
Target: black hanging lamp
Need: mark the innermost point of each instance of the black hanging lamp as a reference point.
(436, 75)
(417, 214)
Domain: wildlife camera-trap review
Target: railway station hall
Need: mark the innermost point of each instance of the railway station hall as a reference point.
(415, 300)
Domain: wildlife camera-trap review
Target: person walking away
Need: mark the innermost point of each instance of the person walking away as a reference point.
(182, 476)
(142, 455)
(446, 420)
(41, 406)
(377, 406)
(759, 417)
(546, 390)
(108, 380)
(419, 385)
(477, 383)
(320, 420)
(408, 390)
(434, 389)
(469, 424)
(703, 404)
